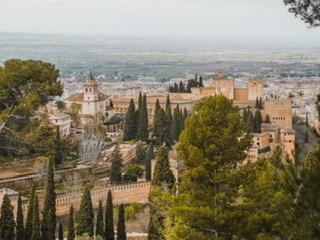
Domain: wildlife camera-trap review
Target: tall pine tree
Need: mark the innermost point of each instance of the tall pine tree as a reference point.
(109, 228)
(20, 234)
(60, 232)
(129, 131)
(121, 229)
(48, 227)
(85, 215)
(162, 128)
(148, 167)
(116, 166)
(100, 221)
(36, 235)
(7, 223)
(143, 120)
(71, 231)
(29, 223)
(157, 109)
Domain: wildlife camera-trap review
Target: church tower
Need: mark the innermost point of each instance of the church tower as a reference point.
(90, 88)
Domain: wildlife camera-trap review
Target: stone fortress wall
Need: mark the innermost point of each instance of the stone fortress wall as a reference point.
(130, 193)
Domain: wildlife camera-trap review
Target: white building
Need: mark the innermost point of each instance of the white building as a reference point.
(94, 104)
(63, 121)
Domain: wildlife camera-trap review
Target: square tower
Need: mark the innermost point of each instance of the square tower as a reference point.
(255, 89)
(224, 86)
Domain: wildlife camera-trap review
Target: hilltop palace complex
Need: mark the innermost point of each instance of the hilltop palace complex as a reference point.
(279, 132)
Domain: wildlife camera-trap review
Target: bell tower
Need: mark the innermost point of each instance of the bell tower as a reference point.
(90, 88)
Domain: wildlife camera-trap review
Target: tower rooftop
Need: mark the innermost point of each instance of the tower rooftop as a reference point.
(90, 76)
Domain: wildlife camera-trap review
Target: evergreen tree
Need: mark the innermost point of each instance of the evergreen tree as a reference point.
(85, 215)
(29, 223)
(181, 87)
(35, 220)
(185, 114)
(121, 229)
(163, 176)
(201, 82)
(99, 221)
(58, 148)
(257, 121)
(257, 103)
(48, 227)
(149, 157)
(143, 120)
(71, 232)
(140, 101)
(140, 154)
(267, 119)
(20, 234)
(307, 120)
(162, 128)
(129, 131)
(7, 224)
(260, 103)
(250, 123)
(306, 137)
(116, 166)
(157, 109)
(211, 146)
(109, 228)
(176, 124)
(168, 109)
(60, 232)
(175, 88)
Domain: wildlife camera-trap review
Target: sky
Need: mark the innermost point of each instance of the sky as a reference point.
(155, 18)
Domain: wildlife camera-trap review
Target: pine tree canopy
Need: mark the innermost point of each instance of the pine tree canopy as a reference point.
(129, 131)
(121, 229)
(116, 166)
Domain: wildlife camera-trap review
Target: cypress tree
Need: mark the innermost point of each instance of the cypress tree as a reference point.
(28, 229)
(7, 224)
(157, 109)
(175, 125)
(99, 221)
(267, 119)
(185, 114)
(306, 137)
(109, 228)
(260, 103)
(140, 101)
(116, 166)
(140, 154)
(143, 120)
(85, 215)
(250, 126)
(35, 220)
(181, 87)
(162, 128)
(257, 103)
(163, 176)
(168, 108)
(58, 148)
(200, 82)
(121, 229)
(175, 88)
(149, 157)
(20, 234)
(257, 121)
(71, 232)
(307, 120)
(48, 227)
(129, 131)
(60, 232)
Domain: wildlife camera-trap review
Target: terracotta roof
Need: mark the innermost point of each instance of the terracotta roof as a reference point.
(78, 97)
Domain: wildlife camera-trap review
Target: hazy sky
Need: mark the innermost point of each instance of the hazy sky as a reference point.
(262, 18)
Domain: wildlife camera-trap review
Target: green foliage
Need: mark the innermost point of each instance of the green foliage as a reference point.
(71, 231)
(143, 133)
(29, 223)
(85, 215)
(7, 224)
(121, 229)
(257, 122)
(116, 166)
(177, 124)
(60, 232)
(149, 158)
(140, 153)
(133, 172)
(109, 228)
(74, 111)
(35, 220)
(48, 227)
(20, 234)
(163, 176)
(132, 210)
(211, 147)
(161, 127)
(100, 221)
(306, 136)
(129, 132)
(58, 148)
